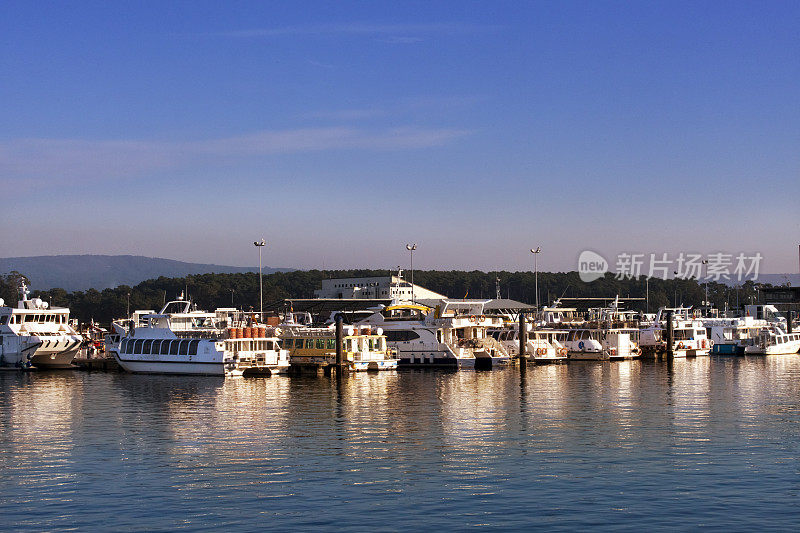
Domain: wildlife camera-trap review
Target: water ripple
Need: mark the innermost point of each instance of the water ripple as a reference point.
(711, 442)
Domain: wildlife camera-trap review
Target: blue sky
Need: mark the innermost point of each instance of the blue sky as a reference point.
(342, 130)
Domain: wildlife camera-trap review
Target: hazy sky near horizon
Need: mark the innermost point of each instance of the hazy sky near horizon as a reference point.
(340, 131)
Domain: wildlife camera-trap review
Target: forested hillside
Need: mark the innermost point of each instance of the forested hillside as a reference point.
(241, 290)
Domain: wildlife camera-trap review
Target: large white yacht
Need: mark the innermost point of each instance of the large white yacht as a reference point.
(451, 334)
(33, 334)
(180, 340)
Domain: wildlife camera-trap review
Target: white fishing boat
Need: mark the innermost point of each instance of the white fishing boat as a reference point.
(609, 333)
(730, 335)
(542, 346)
(773, 341)
(690, 338)
(450, 334)
(33, 334)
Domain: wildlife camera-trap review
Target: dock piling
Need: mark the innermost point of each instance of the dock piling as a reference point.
(339, 340)
(670, 336)
(523, 340)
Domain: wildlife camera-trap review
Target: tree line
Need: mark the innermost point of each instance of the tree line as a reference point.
(241, 290)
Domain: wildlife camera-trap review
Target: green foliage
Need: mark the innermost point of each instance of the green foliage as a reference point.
(240, 290)
(9, 287)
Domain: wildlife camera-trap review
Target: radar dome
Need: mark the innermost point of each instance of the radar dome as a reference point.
(37, 302)
(45, 305)
(2, 302)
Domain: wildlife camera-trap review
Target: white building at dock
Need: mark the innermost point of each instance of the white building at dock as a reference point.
(374, 288)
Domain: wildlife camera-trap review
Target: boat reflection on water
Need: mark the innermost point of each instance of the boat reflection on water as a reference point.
(587, 443)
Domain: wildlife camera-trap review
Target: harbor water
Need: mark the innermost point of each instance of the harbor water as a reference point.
(712, 442)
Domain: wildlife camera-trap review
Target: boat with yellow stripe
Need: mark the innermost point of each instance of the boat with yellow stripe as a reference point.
(363, 348)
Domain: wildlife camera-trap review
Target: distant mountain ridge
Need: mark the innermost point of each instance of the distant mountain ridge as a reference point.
(81, 272)
(777, 279)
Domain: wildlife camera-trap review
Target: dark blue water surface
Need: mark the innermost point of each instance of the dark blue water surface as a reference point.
(699, 443)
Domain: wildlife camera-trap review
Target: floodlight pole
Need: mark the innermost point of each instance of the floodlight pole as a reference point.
(411, 248)
(536, 253)
(260, 245)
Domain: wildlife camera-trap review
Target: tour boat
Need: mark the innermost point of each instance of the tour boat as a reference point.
(362, 349)
(33, 334)
(182, 340)
(254, 350)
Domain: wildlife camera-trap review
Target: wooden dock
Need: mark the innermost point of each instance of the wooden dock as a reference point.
(103, 363)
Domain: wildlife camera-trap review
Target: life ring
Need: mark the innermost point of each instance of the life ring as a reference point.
(680, 346)
(483, 317)
(542, 351)
(710, 344)
(581, 345)
(473, 319)
(562, 351)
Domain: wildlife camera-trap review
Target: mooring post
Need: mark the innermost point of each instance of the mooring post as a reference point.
(339, 341)
(789, 321)
(523, 340)
(670, 336)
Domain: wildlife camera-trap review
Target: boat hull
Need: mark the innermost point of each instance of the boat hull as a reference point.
(196, 368)
(788, 348)
(587, 356)
(435, 362)
(727, 349)
(363, 366)
(55, 360)
(545, 360)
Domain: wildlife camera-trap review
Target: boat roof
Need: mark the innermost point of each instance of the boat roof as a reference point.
(407, 306)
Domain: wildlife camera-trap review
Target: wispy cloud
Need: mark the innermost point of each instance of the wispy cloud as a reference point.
(52, 160)
(349, 115)
(320, 65)
(390, 33)
(396, 39)
(404, 107)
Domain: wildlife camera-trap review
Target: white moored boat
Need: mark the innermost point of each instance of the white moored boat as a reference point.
(609, 333)
(690, 337)
(33, 334)
(452, 334)
(542, 346)
(179, 340)
(362, 348)
(773, 341)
